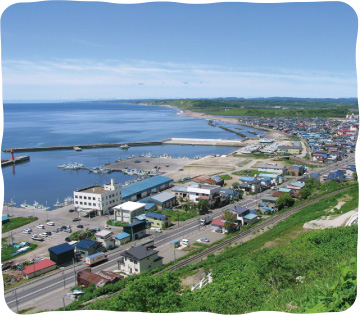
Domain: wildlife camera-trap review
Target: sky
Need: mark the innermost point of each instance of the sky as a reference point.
(69, 50)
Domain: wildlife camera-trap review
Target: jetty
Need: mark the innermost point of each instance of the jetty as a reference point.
(20, 159)
(175, 141)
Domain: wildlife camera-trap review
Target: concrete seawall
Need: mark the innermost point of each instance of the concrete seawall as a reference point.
(175, 141)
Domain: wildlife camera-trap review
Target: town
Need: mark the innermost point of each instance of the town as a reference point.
(111, 232)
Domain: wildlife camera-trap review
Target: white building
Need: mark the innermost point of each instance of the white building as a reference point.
(128, 210)
(138, 259)
(199, 192)
(98, 199)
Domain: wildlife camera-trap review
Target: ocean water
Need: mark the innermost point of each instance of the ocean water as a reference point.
(27, 125)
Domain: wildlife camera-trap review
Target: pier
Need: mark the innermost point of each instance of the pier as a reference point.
(175, 141)
(20, 159)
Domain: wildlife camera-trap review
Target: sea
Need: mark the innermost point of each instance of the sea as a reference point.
(76, 123)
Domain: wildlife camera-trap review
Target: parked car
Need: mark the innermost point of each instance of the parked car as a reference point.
(158, 230)
(63, 227)
(71, 210)
(68, 230)
(27, 231)
(185, 242)
(137, 161)
(43, 235)
(50, 223)
(40, 226)
(80, 226)
(107, 227)
(204, 239)
(67, 239)
(57, 230)
(96, 229)
(76, 219)
(48, 233)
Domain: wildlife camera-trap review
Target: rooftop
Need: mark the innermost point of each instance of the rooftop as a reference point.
(130, 205)
(42, 264)
(139, 252)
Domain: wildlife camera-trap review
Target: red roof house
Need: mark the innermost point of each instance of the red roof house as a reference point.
(41, 267)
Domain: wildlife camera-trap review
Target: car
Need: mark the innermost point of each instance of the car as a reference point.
(76, 219)
(64, 227)
(107, 227)
(50, 223)
(80, 226)
(185, 242)
(167, 165)
(158, 230)
(27, 231)
(40, 226)
(48, 233)
(43, 235)
(204, 239)
(137, 161)
(67, 239)
(71, 210)
(68, 230)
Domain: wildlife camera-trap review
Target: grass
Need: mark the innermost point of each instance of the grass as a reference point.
(177, 215)
(246, 173)
(7, 250)
(17, 222)
(225, 177)
(118, 223)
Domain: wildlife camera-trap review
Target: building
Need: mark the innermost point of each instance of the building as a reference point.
(136, 229)
(98, 199)
(158, 220)
(138, 259)
(5, 219)
(122, 238)
(145, 188)
(240, 212)
(85, 278)
(199, 192)
(250, 184)
(106, 238)
(62, 254)
(162, 200)
(218, 225)
(41, 267)
(180, 192)
(128, 210)
(89, 247)
(289, 149)
(273, 169)
(316, 177)
(269, 201)
(296, 170)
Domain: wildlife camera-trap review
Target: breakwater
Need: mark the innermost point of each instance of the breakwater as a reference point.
(180, 141)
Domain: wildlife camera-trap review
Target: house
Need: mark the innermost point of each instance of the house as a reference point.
(337, 176)
(275, 178)
(135, 229)
(350, 170)
(273, 169)
(268, 200)
(229, 194)
(218, 225)
(199, 192)
(5, 219)
(180, 192)
(265, 182)
(162, 200)
(61, 254)
(106, 238)
(250, 184)
(289, 149)
(98, 199)
(122, 238)
(296, 170)
(158, 220)
(89, 247)
(85, 278)
(138, 259)
(128, 210)
(145, 188)
(41, 267)
(240, 212)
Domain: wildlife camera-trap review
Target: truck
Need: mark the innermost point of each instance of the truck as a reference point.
(95, 258)
(205, 220)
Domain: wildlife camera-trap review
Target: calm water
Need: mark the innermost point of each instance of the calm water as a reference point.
(27, 125)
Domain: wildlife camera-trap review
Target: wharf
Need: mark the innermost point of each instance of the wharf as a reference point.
(17, 160)
(177, 141)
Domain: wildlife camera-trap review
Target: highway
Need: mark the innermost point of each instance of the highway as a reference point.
(53, 287)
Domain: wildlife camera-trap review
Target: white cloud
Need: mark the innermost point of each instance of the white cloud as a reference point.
(114, 79)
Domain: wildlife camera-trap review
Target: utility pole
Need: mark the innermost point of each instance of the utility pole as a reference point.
(175, 259)
(74, 272)
(17, 304)
(63, 278)
(63, 303)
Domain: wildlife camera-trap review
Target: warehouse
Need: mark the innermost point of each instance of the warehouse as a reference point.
(61, 254)
(41, 267)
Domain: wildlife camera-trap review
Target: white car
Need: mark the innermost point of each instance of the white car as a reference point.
(27, 231)
(41, 226)
(185, 242)
(50, 223)
(43, 235)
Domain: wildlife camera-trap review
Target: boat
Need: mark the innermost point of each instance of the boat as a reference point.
(25, 205)
(10, 204)
(124, 147)
(61, 166)
(58, 204)
(39, 206)
(68, 201)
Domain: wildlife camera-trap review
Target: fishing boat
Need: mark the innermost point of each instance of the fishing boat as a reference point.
(25, 205)
(10, 204)
(58, 204)
(124, 147)
(39, 206)
(68, 201)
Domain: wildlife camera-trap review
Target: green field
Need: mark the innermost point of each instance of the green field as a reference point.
(17, 222)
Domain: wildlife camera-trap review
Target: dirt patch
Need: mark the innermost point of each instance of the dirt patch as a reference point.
(286, 239)
(193, 279)
(330, 221)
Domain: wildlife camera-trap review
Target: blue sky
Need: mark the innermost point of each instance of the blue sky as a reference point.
(97, 50)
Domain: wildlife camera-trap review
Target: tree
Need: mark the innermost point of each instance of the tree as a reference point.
(355, 176)
(305, 192)
(230, 219)
(285, 200)
(203, 206)
(236, 188)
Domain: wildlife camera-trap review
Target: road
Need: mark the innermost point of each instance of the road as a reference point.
(54, 286)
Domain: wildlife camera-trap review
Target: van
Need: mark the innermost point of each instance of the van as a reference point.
(185, 242)
(158, 230)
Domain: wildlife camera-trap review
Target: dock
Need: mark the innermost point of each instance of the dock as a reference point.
(17, 160)
(175, 141)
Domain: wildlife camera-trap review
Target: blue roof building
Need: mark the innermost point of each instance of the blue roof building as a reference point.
(62, 254)
(5, 219)
(89, 247)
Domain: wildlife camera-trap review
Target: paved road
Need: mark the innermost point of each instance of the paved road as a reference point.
(54, 286)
